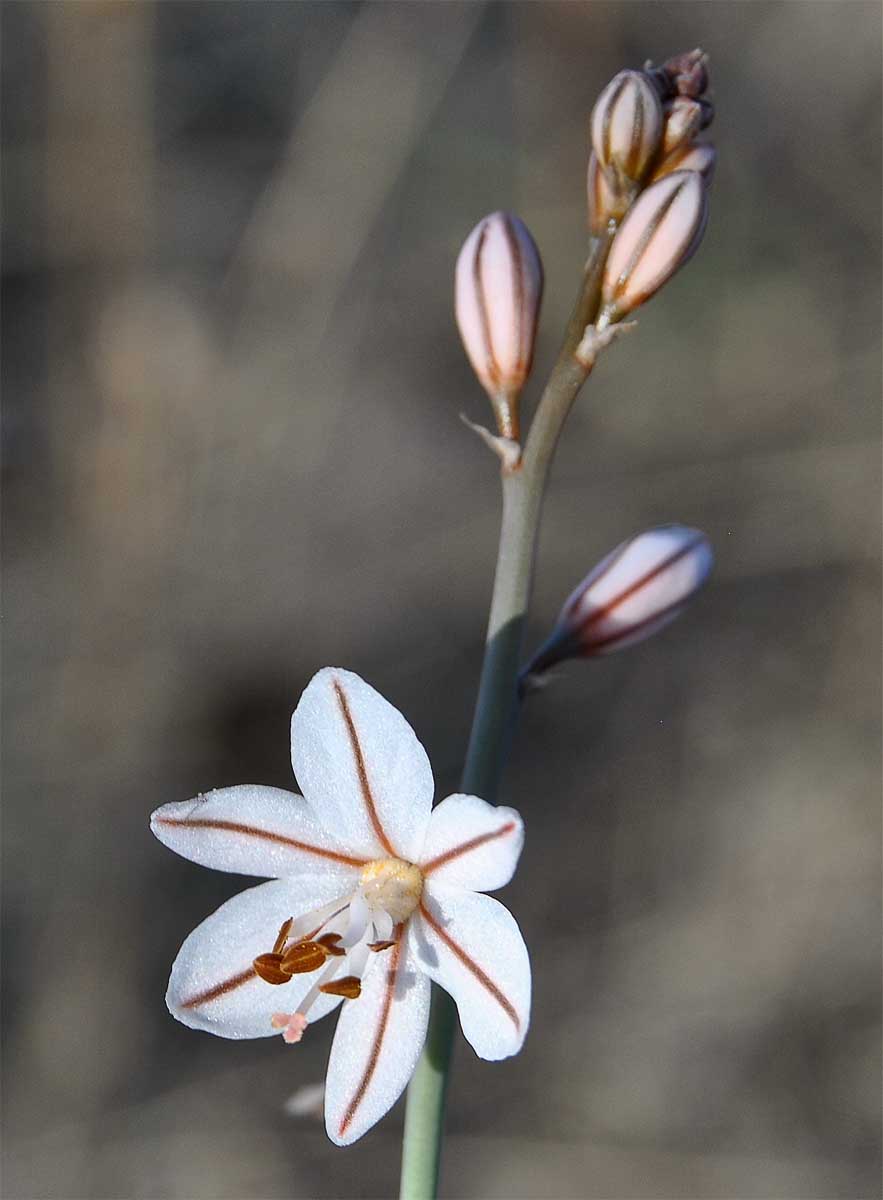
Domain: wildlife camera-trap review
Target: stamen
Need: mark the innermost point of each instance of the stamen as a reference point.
(329, 942)
(303, 957)
(269, 968)
(279, 944)
(349, 987)
(311, 924)
(378, 946)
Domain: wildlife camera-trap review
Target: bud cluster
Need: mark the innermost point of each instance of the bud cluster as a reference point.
(648, 177)
(644, 168)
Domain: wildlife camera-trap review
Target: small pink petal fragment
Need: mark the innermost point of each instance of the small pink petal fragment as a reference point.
(280, 1020)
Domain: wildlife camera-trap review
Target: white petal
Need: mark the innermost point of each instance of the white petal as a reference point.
(360, 767)
(471, 945)
(472, 844)
(377, 1043)
(213, 985)
(253, 830)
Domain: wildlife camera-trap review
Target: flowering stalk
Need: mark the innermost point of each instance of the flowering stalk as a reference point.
(523, 489)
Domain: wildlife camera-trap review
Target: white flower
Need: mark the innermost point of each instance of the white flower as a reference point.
(372, 895)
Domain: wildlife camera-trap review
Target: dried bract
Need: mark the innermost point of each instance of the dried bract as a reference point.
(498, 289)
(657, 236)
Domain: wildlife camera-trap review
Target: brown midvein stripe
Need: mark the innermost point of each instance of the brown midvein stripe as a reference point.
(637, 134)
(464, 848)
(518, 270)
(362, 772)
(220, 989)
(484, 979)
(608, 119)
(493, 369)
(265, 834)
(611, 607)
(374, 1057)
(629, 631)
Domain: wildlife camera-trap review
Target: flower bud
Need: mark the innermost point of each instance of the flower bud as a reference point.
(627, 129)
(658, 234)
(700, 157)
(605, 204)
(683, 120)
(683, 75)
(637, 589)
(498, 288)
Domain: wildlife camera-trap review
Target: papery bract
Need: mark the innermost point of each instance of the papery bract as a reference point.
(372, 894)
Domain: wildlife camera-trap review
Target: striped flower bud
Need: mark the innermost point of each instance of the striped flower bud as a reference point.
(636, 590)
(498, 289)
(700, 156)
(627, 129)
(657, 236)
(683, 120)
(605, 204)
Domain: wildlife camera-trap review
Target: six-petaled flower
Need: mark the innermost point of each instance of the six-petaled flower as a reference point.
(372, 894)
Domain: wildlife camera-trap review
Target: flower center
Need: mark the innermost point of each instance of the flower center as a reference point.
(393, 886)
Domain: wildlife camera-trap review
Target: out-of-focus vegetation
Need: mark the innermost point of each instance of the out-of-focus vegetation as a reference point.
(232, 456)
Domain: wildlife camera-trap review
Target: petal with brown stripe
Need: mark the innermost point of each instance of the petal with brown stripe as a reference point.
(361, 767)
(472, 844)
(471, 946)
(377, 1043)
(213, 985)
(253, 830)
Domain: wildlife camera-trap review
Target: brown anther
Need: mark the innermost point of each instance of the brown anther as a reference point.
(350, 987)
(279, 944)
(303, 957)
(378, 946)
(328, 941)
(269, 968)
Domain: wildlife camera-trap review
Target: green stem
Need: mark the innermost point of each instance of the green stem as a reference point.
(523, 489)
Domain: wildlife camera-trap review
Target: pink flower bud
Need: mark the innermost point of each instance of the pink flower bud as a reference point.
(637, 589)
(683, 120)
(700, 156)
(605, 204)
(498, 289)
(657, 236)
(627, 128)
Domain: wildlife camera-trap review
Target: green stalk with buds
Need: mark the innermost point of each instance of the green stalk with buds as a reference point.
(647, 181)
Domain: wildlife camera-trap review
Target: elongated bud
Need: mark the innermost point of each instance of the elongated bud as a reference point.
(700, 157)
(498, 289)
(637, 589)
(657, 236)
(627, 129)
(684, 118)
(605, 203)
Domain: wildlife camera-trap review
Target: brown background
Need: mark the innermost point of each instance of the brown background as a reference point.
(233, 456)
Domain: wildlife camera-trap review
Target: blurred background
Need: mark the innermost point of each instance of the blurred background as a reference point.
(233, 455)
